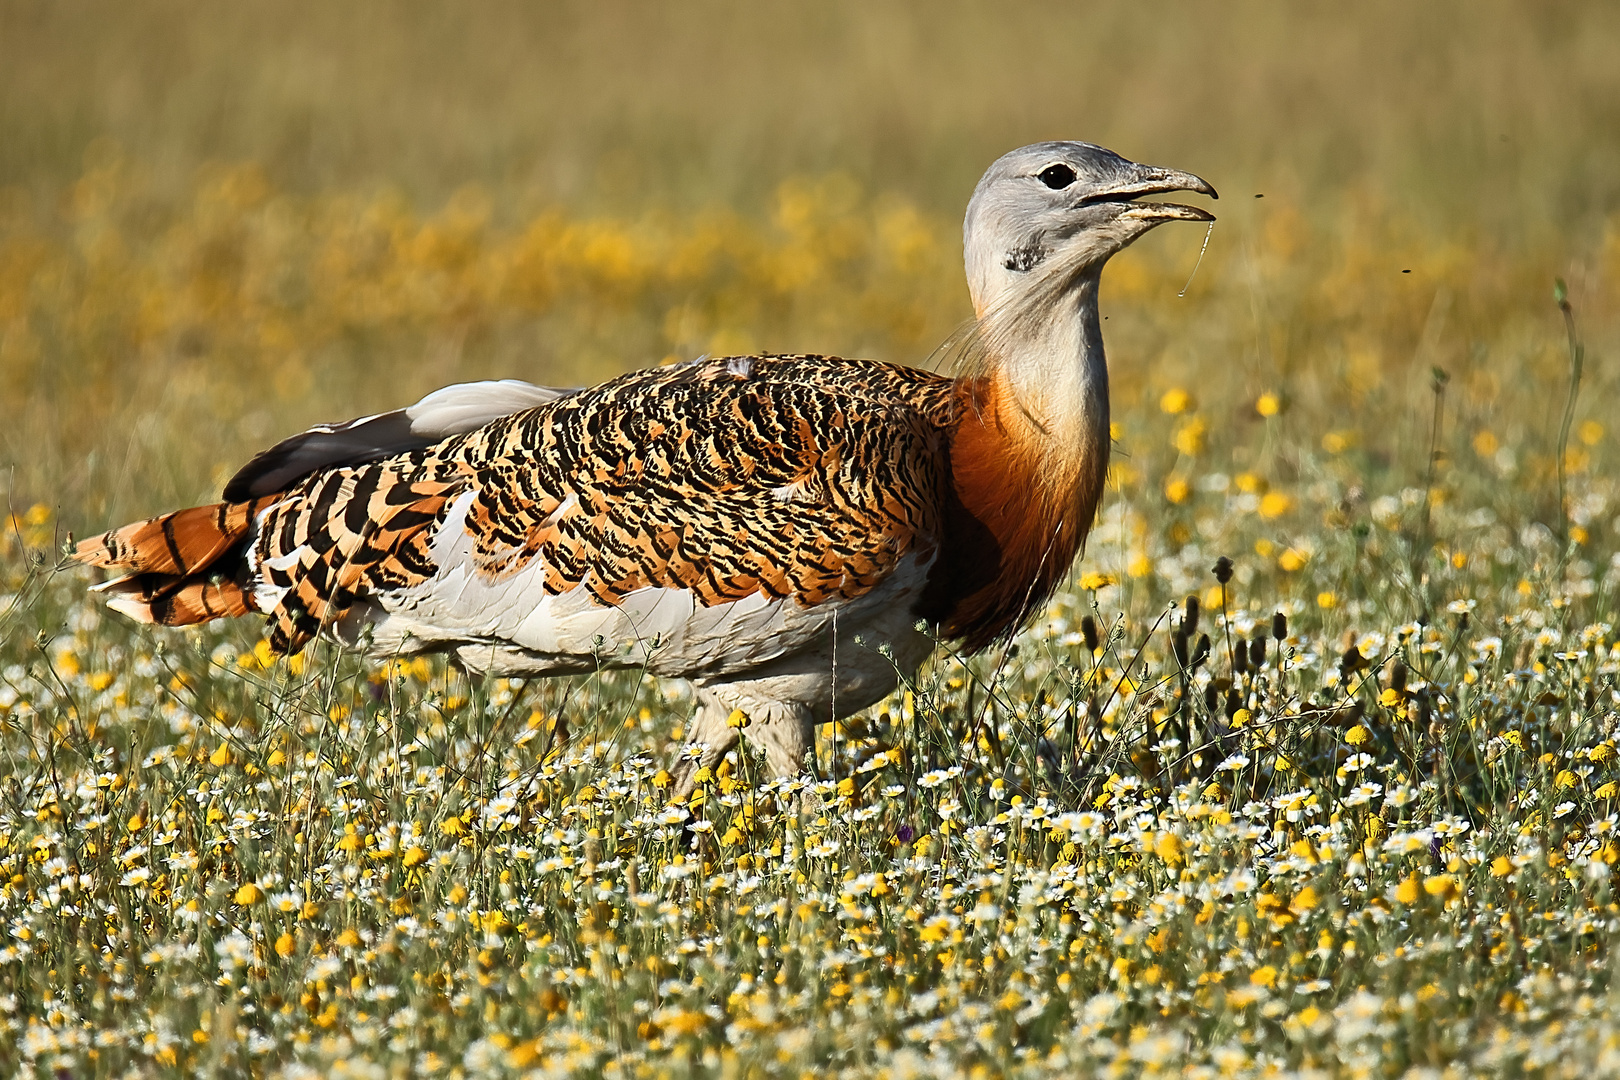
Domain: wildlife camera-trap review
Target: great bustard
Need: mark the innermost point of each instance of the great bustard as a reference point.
(736, 521)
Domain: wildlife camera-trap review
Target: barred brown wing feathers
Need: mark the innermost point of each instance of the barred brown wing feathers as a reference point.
(798, 479)
(347, 534)
(727, 477)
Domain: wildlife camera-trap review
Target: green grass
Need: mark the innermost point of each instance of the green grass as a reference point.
(1386, 840)
(1386, 844)
(1403, 859)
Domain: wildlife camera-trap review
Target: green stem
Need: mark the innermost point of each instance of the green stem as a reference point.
(1577, 360)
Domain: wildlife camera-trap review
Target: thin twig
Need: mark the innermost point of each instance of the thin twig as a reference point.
(1577, 360)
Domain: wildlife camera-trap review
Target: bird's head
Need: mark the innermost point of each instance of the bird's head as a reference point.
(1045, 215)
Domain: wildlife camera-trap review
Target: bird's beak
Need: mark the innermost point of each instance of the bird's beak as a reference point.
(1152, 180)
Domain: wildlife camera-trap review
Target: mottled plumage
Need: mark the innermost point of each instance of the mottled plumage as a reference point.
(738, 521)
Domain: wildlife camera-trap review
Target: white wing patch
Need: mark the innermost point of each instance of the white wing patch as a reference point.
(465, 406)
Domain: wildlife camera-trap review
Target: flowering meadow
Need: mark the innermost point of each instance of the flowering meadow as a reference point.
(1311, 769)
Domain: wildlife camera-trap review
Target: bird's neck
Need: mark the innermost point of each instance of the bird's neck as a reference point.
(1052, 381)
(1029, 457)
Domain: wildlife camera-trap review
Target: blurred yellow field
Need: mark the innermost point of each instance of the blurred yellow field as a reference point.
(1351, 812)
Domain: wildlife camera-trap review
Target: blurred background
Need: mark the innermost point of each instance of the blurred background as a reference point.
(221, 223)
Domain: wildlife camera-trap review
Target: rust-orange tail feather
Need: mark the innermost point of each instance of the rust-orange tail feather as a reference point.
(180, 568)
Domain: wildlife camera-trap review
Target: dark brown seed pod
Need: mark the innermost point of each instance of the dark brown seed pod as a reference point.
(1189, 621)
(1088, 630)
(1279, 626)
(1223, 569)
(1257, 650)
(1201, 652)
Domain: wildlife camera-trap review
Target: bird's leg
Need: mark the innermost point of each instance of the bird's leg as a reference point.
(787, 733)
(713, 734)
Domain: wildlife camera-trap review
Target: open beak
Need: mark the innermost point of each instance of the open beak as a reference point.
(1151, 180)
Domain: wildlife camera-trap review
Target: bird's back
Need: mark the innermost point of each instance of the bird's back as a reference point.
(704, 518)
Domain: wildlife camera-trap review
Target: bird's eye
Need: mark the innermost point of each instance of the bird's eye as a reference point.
(1057, 176)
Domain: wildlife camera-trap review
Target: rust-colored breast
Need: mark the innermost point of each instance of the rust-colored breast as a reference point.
(1017, 513)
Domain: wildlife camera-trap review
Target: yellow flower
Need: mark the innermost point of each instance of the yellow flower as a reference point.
(1274, 504)
(737, 719)
(1175, 400)
(1606, 791)
(414, 856)
(686, 1023)
(1441, 885)
(220, 757)
(1357, 735)
(1168, 847)
(1327, 600)
(249, 894)
(349, 939)
(1177, 490)
(1268, 405)
(1501, 866)
(1266, 976)
(285, 945)
(1485, 444)
(1189, 436)
(1407, 891)
(1094, 581)
(1292, 559)
(1337, 442)
(1140, 565)
(1591, 432)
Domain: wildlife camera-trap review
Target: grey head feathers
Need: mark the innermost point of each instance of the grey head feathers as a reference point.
(1050, 213)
